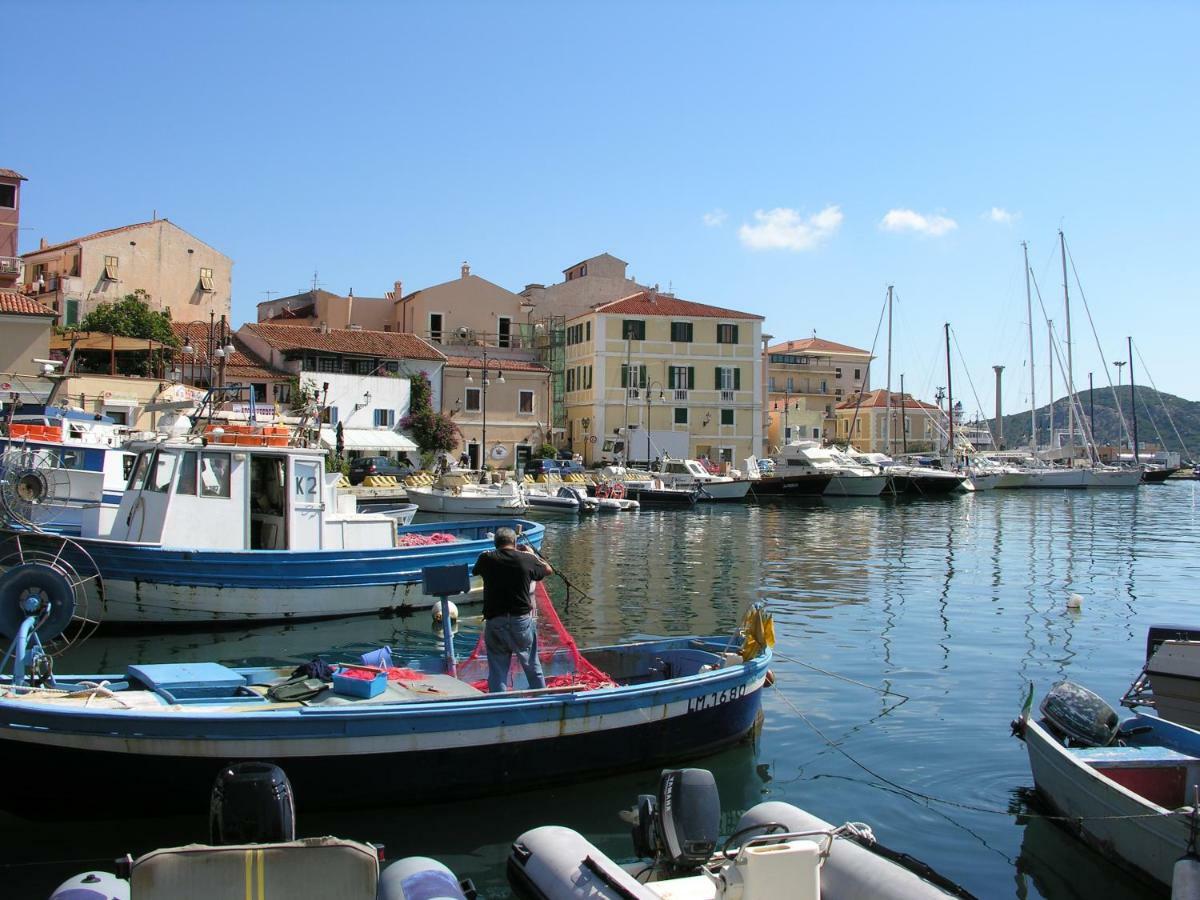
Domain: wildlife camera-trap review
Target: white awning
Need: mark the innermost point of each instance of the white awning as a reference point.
(367, 439)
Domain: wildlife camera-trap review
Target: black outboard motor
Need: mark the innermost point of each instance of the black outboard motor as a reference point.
(679, 828)
(251, 803)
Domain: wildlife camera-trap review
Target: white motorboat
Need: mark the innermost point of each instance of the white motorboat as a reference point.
(551, 498)
(455, 494)
(848, 478)
(690, 474)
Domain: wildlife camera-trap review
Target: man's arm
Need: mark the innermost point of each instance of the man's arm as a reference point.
(542, 568)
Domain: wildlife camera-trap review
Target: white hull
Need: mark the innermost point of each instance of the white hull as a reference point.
(1012, 481)
(856, 486)
(724, 490)
(1116, 478)
(1058, 478)
(1100, 809)
(469, 504)
(982, 481)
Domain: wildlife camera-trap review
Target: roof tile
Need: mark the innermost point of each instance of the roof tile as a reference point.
(814, 343)
(9, 173)
(88, 237)
(507, 365)
(879, 398)
(383, 344)
(14, 303)
(650, 303)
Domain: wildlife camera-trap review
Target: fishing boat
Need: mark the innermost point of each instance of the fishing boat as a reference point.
(456, 494)
(1126, 788)
(214, 528)
(689, 475)
(1169, 682)
(776, 851)
(153, 733)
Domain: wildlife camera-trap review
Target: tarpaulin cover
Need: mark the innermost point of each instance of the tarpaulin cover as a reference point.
(562, 663)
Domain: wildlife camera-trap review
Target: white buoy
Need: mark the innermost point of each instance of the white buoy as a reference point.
(437, 611)
(1075, 601)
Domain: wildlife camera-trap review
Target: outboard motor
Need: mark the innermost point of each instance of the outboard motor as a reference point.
(1076, 713)
(680, 827)
(251, 803)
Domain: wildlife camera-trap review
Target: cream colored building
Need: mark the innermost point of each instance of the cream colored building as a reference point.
(685, 377)
(872, 425)
(468, 311)
(24, 333)
(806, 380)
(511, 408)
(318, 307)
(588, 283)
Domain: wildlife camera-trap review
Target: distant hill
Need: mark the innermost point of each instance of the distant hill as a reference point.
(1186, 414)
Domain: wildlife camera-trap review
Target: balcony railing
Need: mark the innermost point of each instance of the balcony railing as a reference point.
(10, 265)
(681, 394)
(727, 396)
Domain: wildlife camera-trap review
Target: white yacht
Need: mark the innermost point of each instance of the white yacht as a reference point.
(689, 474)
(849, 478)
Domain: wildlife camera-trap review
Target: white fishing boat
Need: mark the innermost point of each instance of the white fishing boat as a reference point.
(1126, 789)
(456, 494)
(847, 477)
(690, 474)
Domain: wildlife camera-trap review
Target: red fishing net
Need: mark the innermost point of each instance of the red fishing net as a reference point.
(562, 663)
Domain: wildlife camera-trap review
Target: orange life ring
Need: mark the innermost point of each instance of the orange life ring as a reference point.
(618, 491)
(602, 490)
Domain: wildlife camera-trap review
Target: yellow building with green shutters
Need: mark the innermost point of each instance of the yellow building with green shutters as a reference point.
(651, 375)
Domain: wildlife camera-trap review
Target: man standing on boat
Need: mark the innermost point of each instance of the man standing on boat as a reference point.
(508, 573)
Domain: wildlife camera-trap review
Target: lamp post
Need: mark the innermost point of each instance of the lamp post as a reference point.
(484, 385)
(218, 345)
(661, 396)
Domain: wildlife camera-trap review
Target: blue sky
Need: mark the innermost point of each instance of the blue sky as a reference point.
(786, 159)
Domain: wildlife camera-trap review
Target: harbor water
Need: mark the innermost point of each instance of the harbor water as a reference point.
(930, 619)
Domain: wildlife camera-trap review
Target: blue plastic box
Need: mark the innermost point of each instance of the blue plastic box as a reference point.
(359, 687)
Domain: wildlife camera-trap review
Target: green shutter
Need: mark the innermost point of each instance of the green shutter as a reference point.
(737, 379)
(641, 376)
(671, 377)
(691, 378)
(624, 376)
(735, 334)
(718, 381)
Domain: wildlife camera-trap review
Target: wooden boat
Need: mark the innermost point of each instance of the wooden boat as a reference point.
(152, 734)
(1121, 788)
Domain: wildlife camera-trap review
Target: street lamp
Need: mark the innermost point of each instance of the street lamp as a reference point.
(218, 344)
(485, 382)
(661, 396)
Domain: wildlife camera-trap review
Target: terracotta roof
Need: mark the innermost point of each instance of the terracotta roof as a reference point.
(641, 304)
(383, 344)
(879, 398)
(243, 360)
(14, 303)
(89, 237)
(9, 173)
(814, 343)
(300, 312)
(506, 365)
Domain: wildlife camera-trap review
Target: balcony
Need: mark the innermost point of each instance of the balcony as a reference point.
(727, 396)
(10, 265)
(681, 394)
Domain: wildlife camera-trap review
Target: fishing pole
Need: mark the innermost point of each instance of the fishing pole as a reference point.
(571, 586)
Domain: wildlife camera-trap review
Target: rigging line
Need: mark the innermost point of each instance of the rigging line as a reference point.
(879, 690)
(1162, 402)
(971, 382)
(930, 798)
(866, 376)
(1108, 377)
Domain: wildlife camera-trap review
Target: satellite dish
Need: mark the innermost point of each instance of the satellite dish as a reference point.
(499, 452)
(33, 488)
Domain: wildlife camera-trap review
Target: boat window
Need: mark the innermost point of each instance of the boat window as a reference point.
(187, 474)
(214, 474)
(139, 472)
(162, 472)
(127, 460)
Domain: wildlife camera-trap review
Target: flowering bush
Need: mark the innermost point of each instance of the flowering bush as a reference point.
(433, 431)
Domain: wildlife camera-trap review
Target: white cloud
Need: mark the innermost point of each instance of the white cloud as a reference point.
(1001, 216)
(910, 220)
(787, 229)
(715, 218)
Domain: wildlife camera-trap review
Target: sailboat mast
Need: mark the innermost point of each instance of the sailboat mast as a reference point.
(1133, 401)
(1050, 356)
(949, 393)
(1062, 242)
(1032, 382)
(887, 417)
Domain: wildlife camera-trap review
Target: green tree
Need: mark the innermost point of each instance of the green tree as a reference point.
(131, 317)
(433, 431)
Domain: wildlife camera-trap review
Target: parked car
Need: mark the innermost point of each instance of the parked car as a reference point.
(377, 465)
(536, 467)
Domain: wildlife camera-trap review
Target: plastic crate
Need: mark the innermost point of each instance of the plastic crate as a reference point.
(359, 687)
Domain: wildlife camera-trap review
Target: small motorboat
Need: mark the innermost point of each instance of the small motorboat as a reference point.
(690, 474)
(253, 851)
(456, 494)
(402, 513)
(563, 500)
(777, 851)
(1158, 474)
(1169, 682)
(1127, 788)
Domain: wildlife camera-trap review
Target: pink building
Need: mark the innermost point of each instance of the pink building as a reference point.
(10, 219)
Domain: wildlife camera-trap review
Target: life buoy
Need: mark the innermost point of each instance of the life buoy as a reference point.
(618, 491)
(602, 490)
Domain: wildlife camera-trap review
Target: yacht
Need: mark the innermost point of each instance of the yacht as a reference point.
(689, 474)
(847, 477)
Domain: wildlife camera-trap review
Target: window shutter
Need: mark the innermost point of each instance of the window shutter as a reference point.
(691, 378)
(671, 377)
(735, 334)
(737, 379)
(718, 381)
(624, 376)
(641, 376)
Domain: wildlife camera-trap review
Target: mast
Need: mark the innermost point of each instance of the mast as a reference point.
(1062, 242)
(1032, 383)
(949, 394)
(628, 386)
(903, 415)
(887, 417)
(1050, 356)
(1133, 401)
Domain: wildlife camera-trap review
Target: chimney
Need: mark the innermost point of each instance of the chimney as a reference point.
(42, 244)
(466, 269)
(652, 294)
(350, 308)
(397, 289)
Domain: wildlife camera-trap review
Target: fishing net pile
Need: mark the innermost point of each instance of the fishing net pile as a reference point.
(425, 540)
(562, 663)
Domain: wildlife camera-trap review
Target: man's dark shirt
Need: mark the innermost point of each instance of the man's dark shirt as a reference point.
(506, 575)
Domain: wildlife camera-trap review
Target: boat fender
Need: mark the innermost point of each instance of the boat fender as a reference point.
(769, 679)
(1185, 878)
(92, 886)
(852, 871)
(419, 878)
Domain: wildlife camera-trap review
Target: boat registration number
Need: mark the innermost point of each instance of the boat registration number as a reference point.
(716, 698)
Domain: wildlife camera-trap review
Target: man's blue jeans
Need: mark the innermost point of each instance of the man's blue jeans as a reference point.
(504, 636)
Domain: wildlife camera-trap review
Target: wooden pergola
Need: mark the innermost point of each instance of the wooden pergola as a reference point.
(113, 343)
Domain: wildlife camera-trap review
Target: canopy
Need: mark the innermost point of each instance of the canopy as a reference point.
(367, 439)
(95, 340)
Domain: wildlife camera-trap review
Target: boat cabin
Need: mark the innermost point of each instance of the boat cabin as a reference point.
(685, 468)
(193, 492)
